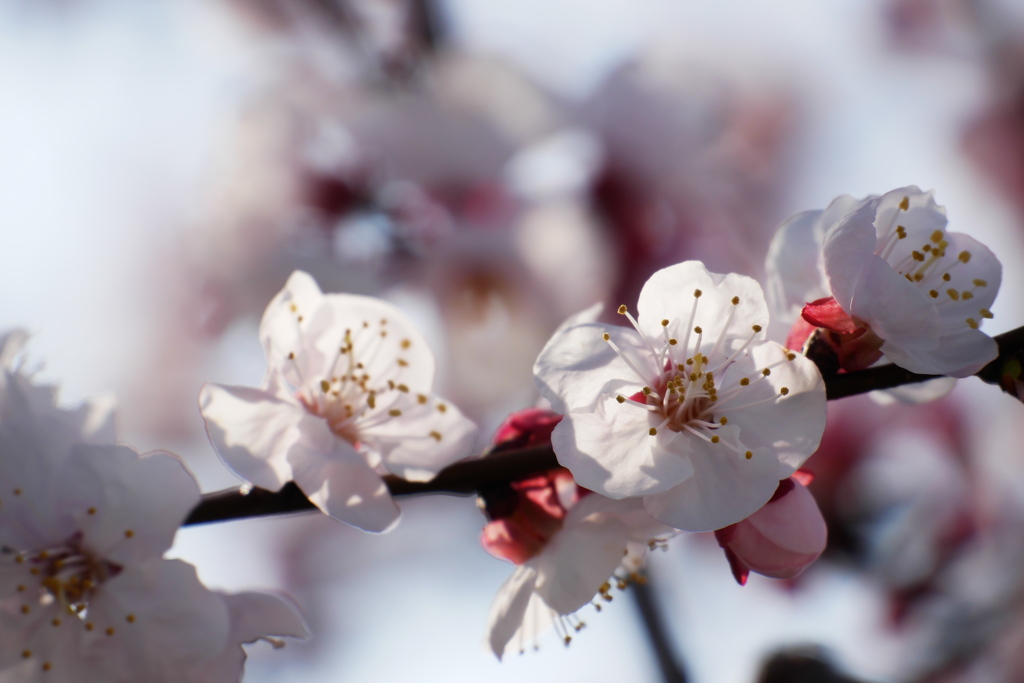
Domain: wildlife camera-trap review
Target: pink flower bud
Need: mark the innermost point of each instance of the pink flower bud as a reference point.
(530, 427)
(781, 539)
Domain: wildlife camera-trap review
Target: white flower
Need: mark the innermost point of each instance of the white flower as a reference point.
(85, 594)
(889, 280)
(598, 539)
(346, 396)
(692, 409)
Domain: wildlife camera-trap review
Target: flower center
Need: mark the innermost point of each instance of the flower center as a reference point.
(350, 397)
(67, 574)
(687, 393)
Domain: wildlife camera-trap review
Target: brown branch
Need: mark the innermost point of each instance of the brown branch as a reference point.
(469, 476)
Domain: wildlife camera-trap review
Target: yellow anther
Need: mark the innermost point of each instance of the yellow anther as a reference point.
(89, 626)
(937, 236)
(693, 376)
(698, 330)
(55, 622)
(406, 343)
(606, 336)
(441, 407)
(620, 398)
(16, 492)
(25, 609)
(325, 386)
(421, 398)
(664, 323)
(402, 363)
(784, 391)
(972, 323)
(436, 436)
(933, 294)
(404, 389)
(47, 666)
(979, 283)
(744, 382)
(905, 203)
(27, 654)
(790, 356)
(293, 307)
(748, 455)
(917, 256)
(646, 391)
(128, 533)
(735, 301)
(130, 618)
(697, 293)
(985, 313)
(926, 248)
(946, 277)
(918, 277)
(291, 355)
(110, 631)
(964, 256)
(395, 412)
(715, 439)
(371, 401)
(91, 511)
(901, 232)
(766, 372)
(622, 309)
(965, 295)
(756, 328)
(653, 431)
(953, 294)
(672, 342)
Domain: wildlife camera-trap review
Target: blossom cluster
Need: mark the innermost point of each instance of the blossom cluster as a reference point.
(699, 415)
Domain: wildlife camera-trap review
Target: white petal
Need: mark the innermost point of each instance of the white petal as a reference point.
(343, 485)
(895, 308)
(795, 267)
(794, 274)
(791, 426)
(724, 489)
(958, 355)
(426, 437)
(612, 452)
(847, 247)
(582, 555)
(669, 295)
(139, 502)
(509, 607)
(175, 620)
(252, 431)
(253, 616)
(576, 364)
(279, 330)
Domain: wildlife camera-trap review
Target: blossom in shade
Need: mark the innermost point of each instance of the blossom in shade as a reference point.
(85, 593)
(781, 539)
(690, 408)
(888, 279)
(570, 545)
(347, 397)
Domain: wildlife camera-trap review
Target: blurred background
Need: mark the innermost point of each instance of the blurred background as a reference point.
(492, 167)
